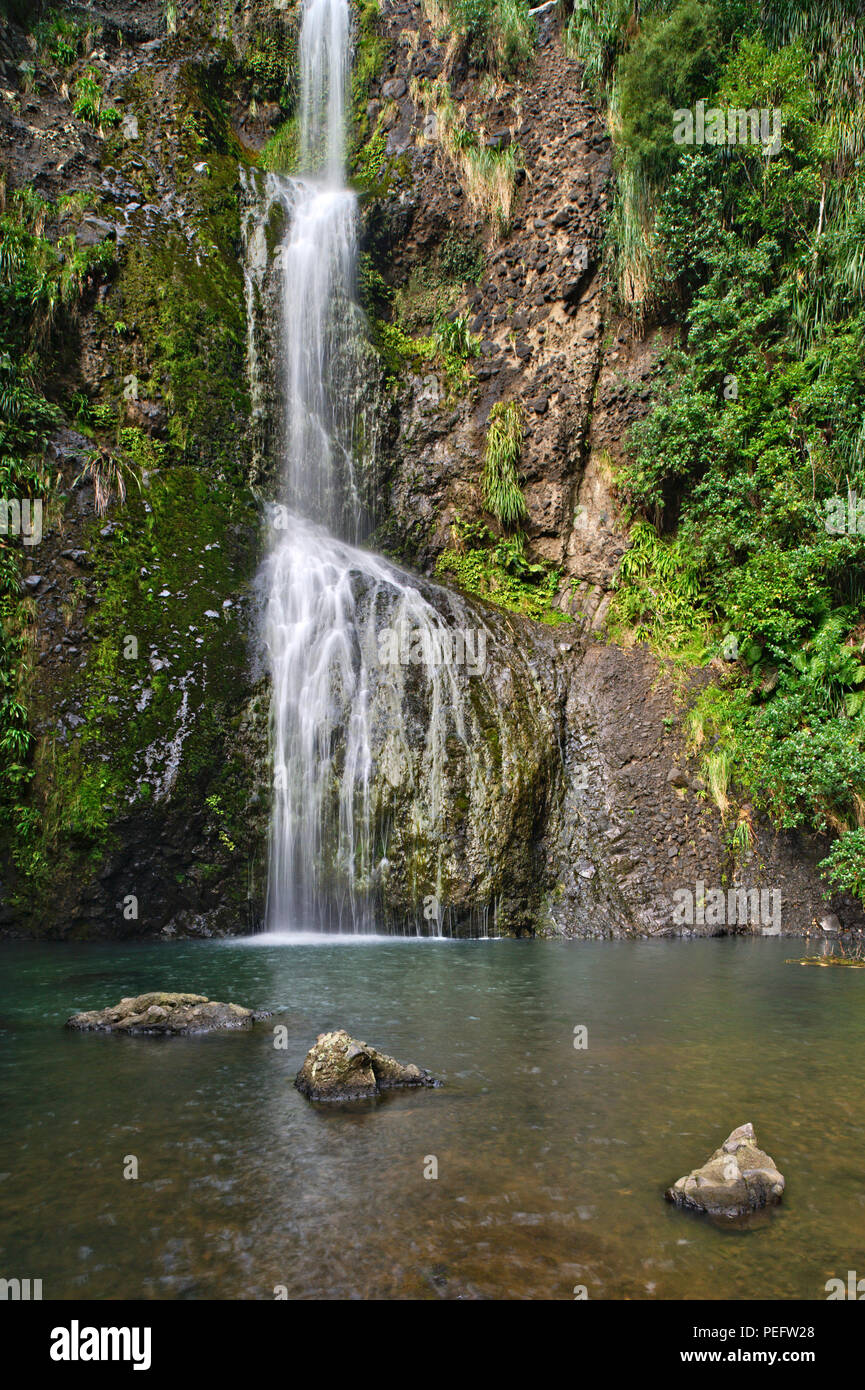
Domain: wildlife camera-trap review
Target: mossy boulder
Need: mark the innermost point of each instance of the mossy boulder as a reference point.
(168, 1013)
(338, 1067)
(739, 1178)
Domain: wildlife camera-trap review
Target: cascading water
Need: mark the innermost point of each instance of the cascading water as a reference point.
(326, 602)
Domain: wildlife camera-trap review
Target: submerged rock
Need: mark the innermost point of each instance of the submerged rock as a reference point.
(737, 1179)
(338, 1067)
(165, 1013)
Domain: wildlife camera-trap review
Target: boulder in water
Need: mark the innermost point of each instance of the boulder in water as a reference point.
(165, 1013)
(737, 1179)
(338, 1067)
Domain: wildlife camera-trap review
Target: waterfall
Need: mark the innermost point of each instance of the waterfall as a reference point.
(326, 603)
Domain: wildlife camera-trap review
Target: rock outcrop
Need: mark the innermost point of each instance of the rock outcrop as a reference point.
(165, 1013)
(338, 1067)
(739, 1178)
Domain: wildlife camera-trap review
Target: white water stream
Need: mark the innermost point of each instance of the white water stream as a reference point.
(327, 601)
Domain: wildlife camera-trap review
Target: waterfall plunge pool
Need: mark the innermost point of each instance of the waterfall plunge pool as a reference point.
(552, 1161)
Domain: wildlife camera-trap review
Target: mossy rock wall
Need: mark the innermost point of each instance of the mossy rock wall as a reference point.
(146, 811)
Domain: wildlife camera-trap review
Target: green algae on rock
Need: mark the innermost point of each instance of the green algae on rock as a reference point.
(166, 1013)
(338, 1067)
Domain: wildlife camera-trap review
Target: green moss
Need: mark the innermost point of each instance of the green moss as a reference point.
(269, 63)
(188, 311)
(158, 696)
(179, 296)
(498, 570)
(145, 452)
(280, 154)
(42, 280)
(461, 259)
(160, 665)
(426, 296)
(367, 65)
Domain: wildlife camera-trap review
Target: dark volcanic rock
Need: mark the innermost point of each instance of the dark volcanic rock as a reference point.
(94, 230)
(165, 1013)
(339, 1067)
(737, 1179)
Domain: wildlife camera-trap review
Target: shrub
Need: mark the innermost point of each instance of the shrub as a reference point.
(844, 865)
(671, 63)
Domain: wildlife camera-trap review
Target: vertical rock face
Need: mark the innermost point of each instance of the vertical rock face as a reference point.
(537, 308)
(466, 775)
(146, 812)
(739, 1178)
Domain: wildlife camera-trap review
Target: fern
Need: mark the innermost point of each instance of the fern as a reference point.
(501, 487)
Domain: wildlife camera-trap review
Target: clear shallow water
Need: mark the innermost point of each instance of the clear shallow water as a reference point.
(552, 1162)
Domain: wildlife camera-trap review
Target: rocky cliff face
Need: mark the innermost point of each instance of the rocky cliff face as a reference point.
(147, 814)
(538, 307)
(567, 805)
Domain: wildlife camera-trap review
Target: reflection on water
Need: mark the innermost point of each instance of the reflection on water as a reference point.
(551, 1161)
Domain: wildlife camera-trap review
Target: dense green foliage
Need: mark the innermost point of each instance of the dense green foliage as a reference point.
(498, 569)
(59, 37)
(759, 422)
(844, 866)
(89, 104)
(449, 348)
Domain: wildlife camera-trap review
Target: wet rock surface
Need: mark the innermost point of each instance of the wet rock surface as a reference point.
(339, 1068)
(168, 1013)
(738, 1179)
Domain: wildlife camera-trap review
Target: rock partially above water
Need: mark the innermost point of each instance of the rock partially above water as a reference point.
(737, 1179)
(165, 1013)
(338, 1067)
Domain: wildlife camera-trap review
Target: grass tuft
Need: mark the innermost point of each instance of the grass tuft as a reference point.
(501, 485)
